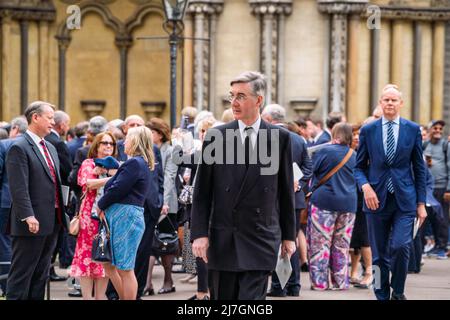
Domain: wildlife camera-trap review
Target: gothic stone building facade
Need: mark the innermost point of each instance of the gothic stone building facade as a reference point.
(318, 55)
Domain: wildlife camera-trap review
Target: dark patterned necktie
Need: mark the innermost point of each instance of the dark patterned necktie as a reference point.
(390, 151)
(53, 174)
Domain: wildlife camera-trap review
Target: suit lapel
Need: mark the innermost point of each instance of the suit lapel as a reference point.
(401, 129)
(38, 154)
(379, 139)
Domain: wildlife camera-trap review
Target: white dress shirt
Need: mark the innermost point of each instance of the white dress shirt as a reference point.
(253, 133)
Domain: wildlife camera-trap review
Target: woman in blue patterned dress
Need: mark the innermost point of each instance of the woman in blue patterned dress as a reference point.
(122, 204)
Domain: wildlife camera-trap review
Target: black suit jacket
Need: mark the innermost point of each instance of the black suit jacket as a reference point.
(32, 188)
(63, 155)
(244, 214)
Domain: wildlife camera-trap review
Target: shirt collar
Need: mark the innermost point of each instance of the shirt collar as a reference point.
(255, 125)
(56, 132)
(35, 137)
(396, 120)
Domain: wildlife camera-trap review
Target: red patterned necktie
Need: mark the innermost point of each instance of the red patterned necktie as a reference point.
(53, 174)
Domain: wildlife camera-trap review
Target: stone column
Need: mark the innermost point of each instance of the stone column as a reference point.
(44, 60)
(123, 43)
(6, 55)
(437, 80)
(204, 14)
(188, 67)
(63, 44)
(272, 14)
(339, 11)
(23, 65)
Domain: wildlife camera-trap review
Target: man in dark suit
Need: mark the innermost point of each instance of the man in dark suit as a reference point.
(242, 212)
(37, 210)
(80, 137)
(65, 251)
(132, 121)
(18, 127)
(390, 170)
(276, 115)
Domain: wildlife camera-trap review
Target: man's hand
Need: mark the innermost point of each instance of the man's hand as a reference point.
(33, 224)
(370, 197)
(200, 247)
(287, 248)
(421, 214)
(165, 209)
(296, 186)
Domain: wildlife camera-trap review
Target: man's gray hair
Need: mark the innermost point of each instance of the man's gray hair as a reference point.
(60, 117)
(133, 117)
(36, 107)
(97, 124)
(275, 111)
(20, 123)
(256, 79)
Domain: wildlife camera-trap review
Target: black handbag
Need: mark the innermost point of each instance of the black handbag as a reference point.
(101, 245)
(165, 243)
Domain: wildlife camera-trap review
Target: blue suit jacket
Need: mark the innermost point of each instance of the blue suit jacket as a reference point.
(155, 195)
(407, 170)
(5, 195)
(300, 156)
(324, 138)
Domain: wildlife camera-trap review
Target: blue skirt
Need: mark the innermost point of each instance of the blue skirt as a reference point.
(126, 224)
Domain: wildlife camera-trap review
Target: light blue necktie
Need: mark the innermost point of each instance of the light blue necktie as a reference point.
(390, 152)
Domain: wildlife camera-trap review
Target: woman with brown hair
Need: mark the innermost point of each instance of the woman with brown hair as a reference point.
(161, 138)
(123, 205)
(92, 180)
(333, 207)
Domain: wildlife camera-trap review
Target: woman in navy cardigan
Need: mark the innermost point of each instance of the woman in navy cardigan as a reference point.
(123, 204)
(332, 214)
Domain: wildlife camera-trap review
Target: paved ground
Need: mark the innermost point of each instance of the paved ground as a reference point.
(433, 283)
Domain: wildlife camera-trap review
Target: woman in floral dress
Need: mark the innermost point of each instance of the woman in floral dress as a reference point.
(92, 179)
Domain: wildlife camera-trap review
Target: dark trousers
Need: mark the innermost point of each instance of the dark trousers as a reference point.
(416, 248)
(202, 275)
(438, 223)
(390, 236)
(245, 285)
(5, 247)
(30, 266)
(143, 254)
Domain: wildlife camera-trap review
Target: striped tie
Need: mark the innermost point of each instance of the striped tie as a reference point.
(390, 152)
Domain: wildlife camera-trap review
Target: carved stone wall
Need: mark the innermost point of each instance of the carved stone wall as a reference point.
(446, 114)
(272, 14)
(204, 14)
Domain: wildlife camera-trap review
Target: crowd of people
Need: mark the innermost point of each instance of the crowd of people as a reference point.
(344, 198)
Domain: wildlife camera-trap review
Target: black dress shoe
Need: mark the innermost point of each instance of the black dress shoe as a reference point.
(398, 296)
(55, 277)
(293, 293)
(75, 293)
(273, 293)
(164, 290)
(149, 292)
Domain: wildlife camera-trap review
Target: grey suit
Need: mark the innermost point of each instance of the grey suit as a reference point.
(33, 194)
(170, 170)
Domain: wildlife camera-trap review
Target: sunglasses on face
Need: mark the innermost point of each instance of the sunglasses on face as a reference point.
(106, 143)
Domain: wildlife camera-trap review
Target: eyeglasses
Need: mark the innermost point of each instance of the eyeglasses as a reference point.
(106, 143)
(240, 97)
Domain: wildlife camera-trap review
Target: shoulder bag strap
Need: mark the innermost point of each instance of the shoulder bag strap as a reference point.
(333, 171)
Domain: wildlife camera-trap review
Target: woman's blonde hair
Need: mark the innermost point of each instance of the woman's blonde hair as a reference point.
(141, 144)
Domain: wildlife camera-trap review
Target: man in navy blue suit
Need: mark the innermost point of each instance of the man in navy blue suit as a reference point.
(390, 170)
